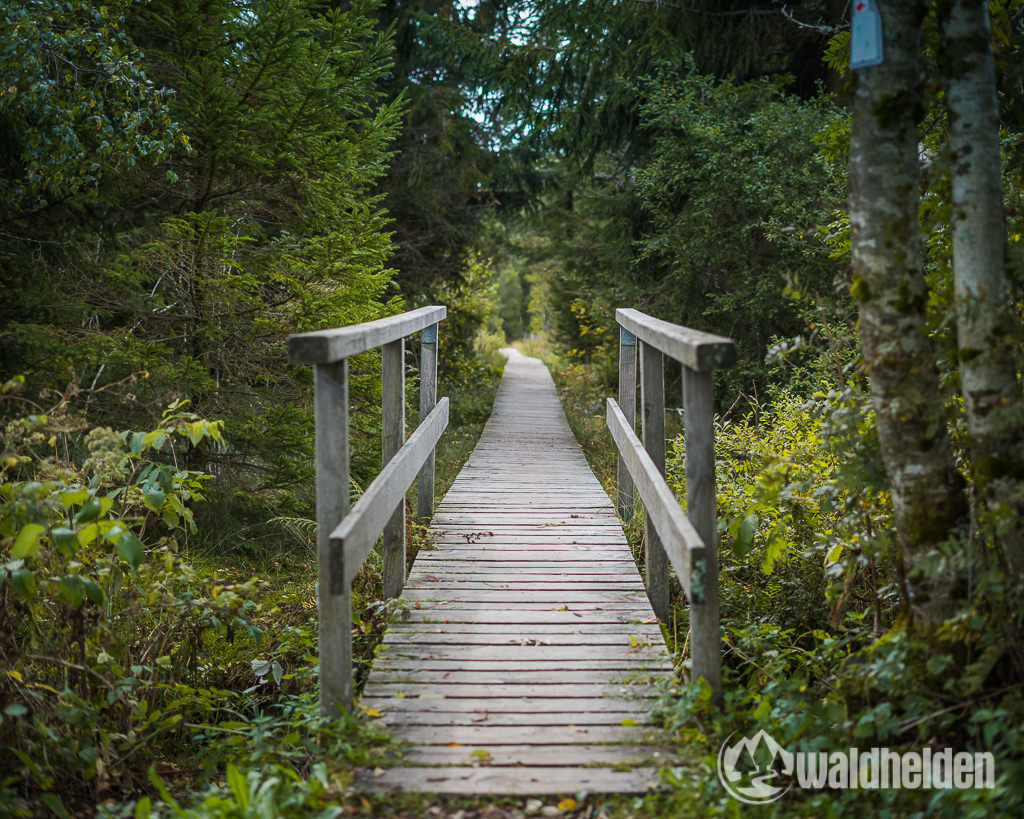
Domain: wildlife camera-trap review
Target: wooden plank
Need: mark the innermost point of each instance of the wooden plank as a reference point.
(484, 717)
(355, 535)
(644, 630)
(428, 399)
(392, 371)
(575, 682)
(652, 393)
(627, 402)
(697, 350)
(402, 638)
(683, 546)
(705, 631)
(514, 781)
(328, 346)
(527, 616)
(332, 503)
(563, 706)
(534, 690)
(542, 755)
(521, 653)
(487, 735)
(522, 596)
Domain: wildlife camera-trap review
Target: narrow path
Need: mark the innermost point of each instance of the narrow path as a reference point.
(528, 651)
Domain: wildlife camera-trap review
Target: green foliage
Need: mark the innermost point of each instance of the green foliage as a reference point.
(77, 104)
(102, 615)
(269, 226)
(736, 192)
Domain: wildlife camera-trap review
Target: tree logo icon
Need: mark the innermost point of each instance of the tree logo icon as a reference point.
(748, 768)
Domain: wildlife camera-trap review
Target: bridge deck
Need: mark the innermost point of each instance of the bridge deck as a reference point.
(527, 655)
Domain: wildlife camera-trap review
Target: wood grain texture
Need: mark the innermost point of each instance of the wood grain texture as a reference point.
(328, 346)
(526, 635)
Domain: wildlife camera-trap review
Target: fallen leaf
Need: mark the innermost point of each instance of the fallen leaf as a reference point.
(567, 804)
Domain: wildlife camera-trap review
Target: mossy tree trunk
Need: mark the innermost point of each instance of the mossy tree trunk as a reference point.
(986, 326)
(889, 286)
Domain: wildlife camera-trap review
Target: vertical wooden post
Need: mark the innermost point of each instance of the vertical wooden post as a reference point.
(393, 422)
(332, 503)
(627, 403)
(705, 631)
(428, 398)
(652, 395)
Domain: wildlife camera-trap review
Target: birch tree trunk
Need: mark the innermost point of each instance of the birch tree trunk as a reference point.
(889, 286)
(985, 322)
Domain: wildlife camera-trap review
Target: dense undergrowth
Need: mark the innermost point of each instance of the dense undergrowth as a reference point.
(150, 667)
(819, 648)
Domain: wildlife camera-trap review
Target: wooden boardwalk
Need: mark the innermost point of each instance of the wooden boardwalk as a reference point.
(526, 660)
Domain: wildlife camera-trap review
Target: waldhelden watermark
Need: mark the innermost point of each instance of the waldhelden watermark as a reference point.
(757, 770)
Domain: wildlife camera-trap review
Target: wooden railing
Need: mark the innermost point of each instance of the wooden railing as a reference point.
(688, 542)
(344, 537)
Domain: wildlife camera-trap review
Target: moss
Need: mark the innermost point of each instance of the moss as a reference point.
(860, 290)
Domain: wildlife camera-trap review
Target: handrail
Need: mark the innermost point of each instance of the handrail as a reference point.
(327, 346)
(344, 537)
(692, 549)
(692, 348)
(683, 546)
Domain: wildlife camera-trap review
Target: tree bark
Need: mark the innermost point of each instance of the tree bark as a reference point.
(889, 286)
(986, 330)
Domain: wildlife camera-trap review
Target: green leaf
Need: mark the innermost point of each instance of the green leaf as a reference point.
(72, 590)
(143, 808)
(27, 543)
(236, 781)
(93, 591)
(131, 549)
(73, 497)
(66, 539)
(53, 803)
(743, 531)
(25, 582)
(16, 709)
(90, 510)
(154, 498)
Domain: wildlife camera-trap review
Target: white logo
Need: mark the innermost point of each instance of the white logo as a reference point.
(748, 768)
(757, 770)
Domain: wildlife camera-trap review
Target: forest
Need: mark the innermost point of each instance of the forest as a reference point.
(188, 182)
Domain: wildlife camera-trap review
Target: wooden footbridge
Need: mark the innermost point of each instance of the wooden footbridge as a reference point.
(525, 652)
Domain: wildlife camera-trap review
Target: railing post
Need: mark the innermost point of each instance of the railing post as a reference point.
(705, 630)
(332, 503)
(393, 422)
(627, 403)
(428, 398)
(652, 395)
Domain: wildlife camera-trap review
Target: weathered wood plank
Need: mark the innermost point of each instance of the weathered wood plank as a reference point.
(400, 638)
(697, 350)
(355, 535)
(683, 546)
(522, 653)
(328, 346)
(537, 691)
(515, 781)
(487, 735)
(576, 682)
(428, 399)
(541, 755)
(332, 504)
(392, 371)
(563, 706)
(706, 648)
